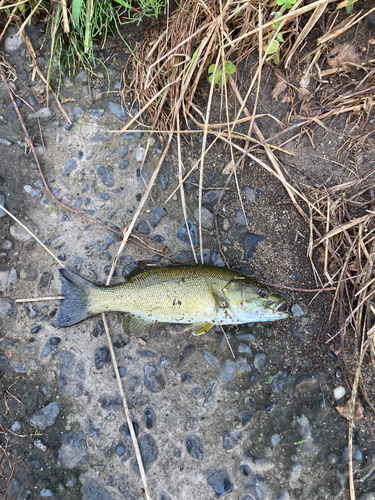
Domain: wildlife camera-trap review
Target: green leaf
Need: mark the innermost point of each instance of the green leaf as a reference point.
(124, 4)
(211, 69)
(271, 48)
(76, 14)
(276, 58)
(218, 75)
(280, 37)
(229, 68)
(280, 2)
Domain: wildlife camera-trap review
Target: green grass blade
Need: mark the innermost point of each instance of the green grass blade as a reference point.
(76, 14)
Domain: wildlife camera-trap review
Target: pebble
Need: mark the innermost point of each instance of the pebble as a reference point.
(13, 43)
(297, 311)
(226, 224)
(124, 151)
(31, 311)
(251, 195)
(143, 227)
(186, 378)
(105, 175)
(217, 260)
(279, 381)
(149, 418)
(50, 345)
(78, 202)
(121, 371)
(139, 154)
(72, 374)
(210, 198)
(259, 361)
(3, 203)
(187, 352)
(94, 489)
(5, 142)
(183, 236)
(240, 219)
(255, 377)
(78, 110)
(243, 365)
(243, 348)
(194, 447)
(42, 113)
(98, 138)
(36, 329)
(118, 111)
(101, 357)
(81, 77)
(220, 482)
(18, 367)
(104, 196)
(207, 218)
(251, 241)
(96, 113)
(210, 358)
(125, 431)
(228, 370)
(149, 453)
(45, 417)
(206, 256)
(120, 449)
(73, 450)
(230, 439)
(46, 493)
(131, 136)
(123, 164)
(21, 234)
(16, 426)
(156, 216)
(356, 454)
(40, 445)
(275, 439)
(153, 379)
(74, 264)
(339, 392)
(164, 181)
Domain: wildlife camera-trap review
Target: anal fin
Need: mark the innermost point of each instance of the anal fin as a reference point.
(201, 328)
(133, 325)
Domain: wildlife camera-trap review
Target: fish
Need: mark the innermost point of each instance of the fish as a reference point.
(198, 296)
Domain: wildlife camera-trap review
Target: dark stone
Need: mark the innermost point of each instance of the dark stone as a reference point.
(137, 401)
(182, 257)
(31, 311)
(356, 453)
(105, 175)
(210, 198)
(228, 371)
(191, 183)
(98, 138)
(149, 418)
(122, 451)
(194, 447)
(251, 241)
(96, 113)
(45, 417)
(187, 352)
(123, 164)
(145, 353)
(99, 329)
(6, 307)
(255, 377)
(246, 417)
(165, 362)
(186, 378)
(68, 126)
(94, 489)
(101, 357)
(158, 238)
(125, 431)
(149, 453)
(36, 329)
(210, 358)
(121, 371)
(156, 216)
(45, 280)
(124, 151)
(118, 111)
(50, 345)
(279, 381)
(220, 482)
(206, 256)
(131, 136)
(74, 264)
(230, 439)
(183, 235)
(120, 341)
(143, 227)
(164, 181)
(153, 379)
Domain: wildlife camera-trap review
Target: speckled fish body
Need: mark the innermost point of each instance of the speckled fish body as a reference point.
(196, 295)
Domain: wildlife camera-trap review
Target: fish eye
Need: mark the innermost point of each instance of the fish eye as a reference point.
(262, 292)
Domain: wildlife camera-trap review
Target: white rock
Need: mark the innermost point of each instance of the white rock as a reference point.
(339, 392)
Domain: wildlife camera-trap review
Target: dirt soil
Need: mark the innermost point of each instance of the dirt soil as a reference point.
(261, 425)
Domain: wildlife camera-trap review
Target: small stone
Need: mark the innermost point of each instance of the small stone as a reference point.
(164, 181)
(230, 439)
(104, 196)
(5, 141)
(149, 453)
(81, 77)
(6, 307)
(21, 234)
(123, 164)
(251, 241)
(143, 227)
(228, 371)
(105, 175)
(149, 418)
(279, 381)
(131, 136)
(40, 445)
(16, 426)
(187, 352)
(243, 365)
(251, 195)
(243, 348)
(339, 392)
(275, 439)
(94, 489)
(297, 311)
(259, 361)
(101, 357)
(96, 113)
(31, 311)
(186, 378)
(70, 165)
(124, 151)
(191, 183)
(210, 358)
(220, 482)
(45, 417)
(78, 110)
(36, 329)
(153, 379)
(183, 236)
(46, 493)
(139, 154)
(156, 216)
(206, 256)
(245, 336)
(125, 430)
(98, 138)
(226, 224)
(29, 272)
(50, 345)
(118, 111)
(42, 113)
(217, 260)
(121, 371)
(74, 264)
(72, 373)
(255, 377)
(211, 197)
(240, 219)
(357, 455)
(194, 447)
(164, 362)
(207, 218)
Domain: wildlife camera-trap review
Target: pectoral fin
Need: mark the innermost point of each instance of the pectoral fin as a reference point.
(133, 325)
(200, 328)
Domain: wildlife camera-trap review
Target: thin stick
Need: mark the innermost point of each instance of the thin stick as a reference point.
(39, 299)
(32, 234)
(226, 338)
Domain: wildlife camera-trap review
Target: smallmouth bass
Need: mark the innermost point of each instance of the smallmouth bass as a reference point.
(199, 296)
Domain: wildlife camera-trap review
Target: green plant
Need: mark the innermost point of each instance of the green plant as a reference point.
(276, 39)
(217, 75)
(349, 7)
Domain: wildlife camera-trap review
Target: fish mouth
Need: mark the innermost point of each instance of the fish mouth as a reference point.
(278, 306)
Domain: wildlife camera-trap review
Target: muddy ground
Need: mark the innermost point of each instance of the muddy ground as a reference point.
(262, 425)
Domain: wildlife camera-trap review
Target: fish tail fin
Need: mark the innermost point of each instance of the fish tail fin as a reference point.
(75, 306)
